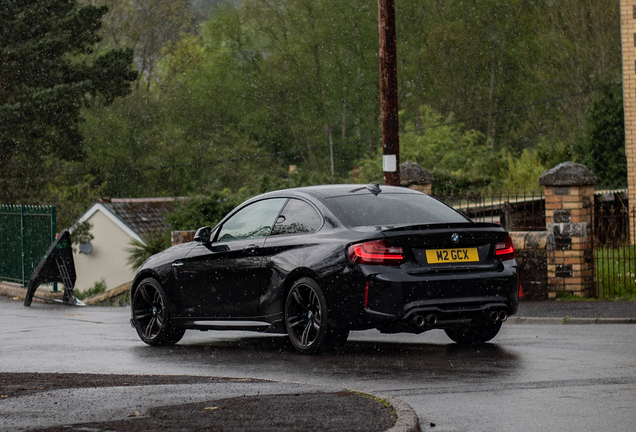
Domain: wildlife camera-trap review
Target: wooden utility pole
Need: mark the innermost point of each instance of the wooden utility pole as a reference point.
(388, 93)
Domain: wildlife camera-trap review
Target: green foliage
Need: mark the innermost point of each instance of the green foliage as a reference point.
(551, 153)
(72, 199)
(471, 59)
(122, 300)
(151, 27)
(154, 242)
(615, 272)
(149, 146)
(523, 173)
(457, 158)
(198, 211)
(82, 233)
(279, 72)
(195, 212)
(98, 288)
(48, 72)
(233, 101)
(603, 148)
(491, 63)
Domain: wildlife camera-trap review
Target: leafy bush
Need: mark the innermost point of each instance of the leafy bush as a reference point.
(603, 149)
(98, 288)
(523, 172)
(458, 158)
(155, 242)
(195, 212)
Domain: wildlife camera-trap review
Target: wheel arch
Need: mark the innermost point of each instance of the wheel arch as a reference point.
(151, 314)
(296, 274)
(143, 274)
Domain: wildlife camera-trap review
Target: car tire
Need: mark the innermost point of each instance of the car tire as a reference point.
(151, 315)
(306, 316)
(474, 335)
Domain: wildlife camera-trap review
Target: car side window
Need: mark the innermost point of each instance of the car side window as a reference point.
(253, 221)
(297, 217)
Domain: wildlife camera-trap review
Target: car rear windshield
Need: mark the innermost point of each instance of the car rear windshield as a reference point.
(391, 209)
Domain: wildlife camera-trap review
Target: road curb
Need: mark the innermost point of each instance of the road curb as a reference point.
(616, 321)
(533, 320)
(569, 320)
(109, 294)
(17, 291)
(407, 419)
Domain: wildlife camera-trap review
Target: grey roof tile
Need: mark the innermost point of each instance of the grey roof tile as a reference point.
(141, 214)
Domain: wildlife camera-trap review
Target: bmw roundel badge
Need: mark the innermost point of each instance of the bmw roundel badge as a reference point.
(455, 238)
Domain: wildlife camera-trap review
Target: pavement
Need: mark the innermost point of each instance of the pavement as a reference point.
(575, 312)
(288, 406)
(105, 402)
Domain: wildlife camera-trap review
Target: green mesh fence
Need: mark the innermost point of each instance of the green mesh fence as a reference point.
(26, 232)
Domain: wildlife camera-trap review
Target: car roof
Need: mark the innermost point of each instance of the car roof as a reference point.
(329, 191)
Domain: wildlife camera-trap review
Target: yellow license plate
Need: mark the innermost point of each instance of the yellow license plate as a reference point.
(436, 256)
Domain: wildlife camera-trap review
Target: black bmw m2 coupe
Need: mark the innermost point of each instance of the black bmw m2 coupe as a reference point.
(317, 262)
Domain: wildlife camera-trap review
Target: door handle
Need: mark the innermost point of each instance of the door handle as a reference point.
(250, 250)
(177, 264)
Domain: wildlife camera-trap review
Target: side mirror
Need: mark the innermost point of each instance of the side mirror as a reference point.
(203, 234)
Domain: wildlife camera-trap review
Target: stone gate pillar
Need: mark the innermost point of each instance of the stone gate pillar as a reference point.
(413, 176)
(179, 237)
(569, 210)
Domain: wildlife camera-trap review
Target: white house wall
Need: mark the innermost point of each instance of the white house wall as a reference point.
(108, 258)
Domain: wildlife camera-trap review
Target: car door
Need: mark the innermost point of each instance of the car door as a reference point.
(289, 246)
(225, 278)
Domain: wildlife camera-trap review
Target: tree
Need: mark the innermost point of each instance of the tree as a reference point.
(603, 150)
(249, 92)
(467, 58)
(458, 158)
(151, 27)
(282, 70)
(580, 53)
(195, 212)
(48, 72)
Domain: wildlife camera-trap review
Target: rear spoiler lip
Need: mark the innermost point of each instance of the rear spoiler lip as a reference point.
(471, 226)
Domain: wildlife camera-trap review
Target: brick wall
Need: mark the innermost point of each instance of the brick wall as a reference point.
(628, 45)
(569, 212)
(532, 262)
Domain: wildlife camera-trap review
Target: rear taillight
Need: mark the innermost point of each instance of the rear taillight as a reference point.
(506, 250)
(376, 253)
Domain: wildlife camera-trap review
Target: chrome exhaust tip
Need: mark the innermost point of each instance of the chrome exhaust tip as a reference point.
(431, 319)
(494, 316)
(503, 315)
(419, 320)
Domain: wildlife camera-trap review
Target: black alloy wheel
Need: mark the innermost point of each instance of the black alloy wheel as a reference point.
(151, 317)
(306, 316)
(474, 335)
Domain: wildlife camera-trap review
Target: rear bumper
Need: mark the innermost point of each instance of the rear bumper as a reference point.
(419, 303)
(427, 316)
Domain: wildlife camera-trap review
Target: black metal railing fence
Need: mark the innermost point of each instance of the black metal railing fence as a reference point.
(514, 212)
(614, 253)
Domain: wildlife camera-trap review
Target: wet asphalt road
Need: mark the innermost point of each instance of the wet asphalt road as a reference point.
(532, 377)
